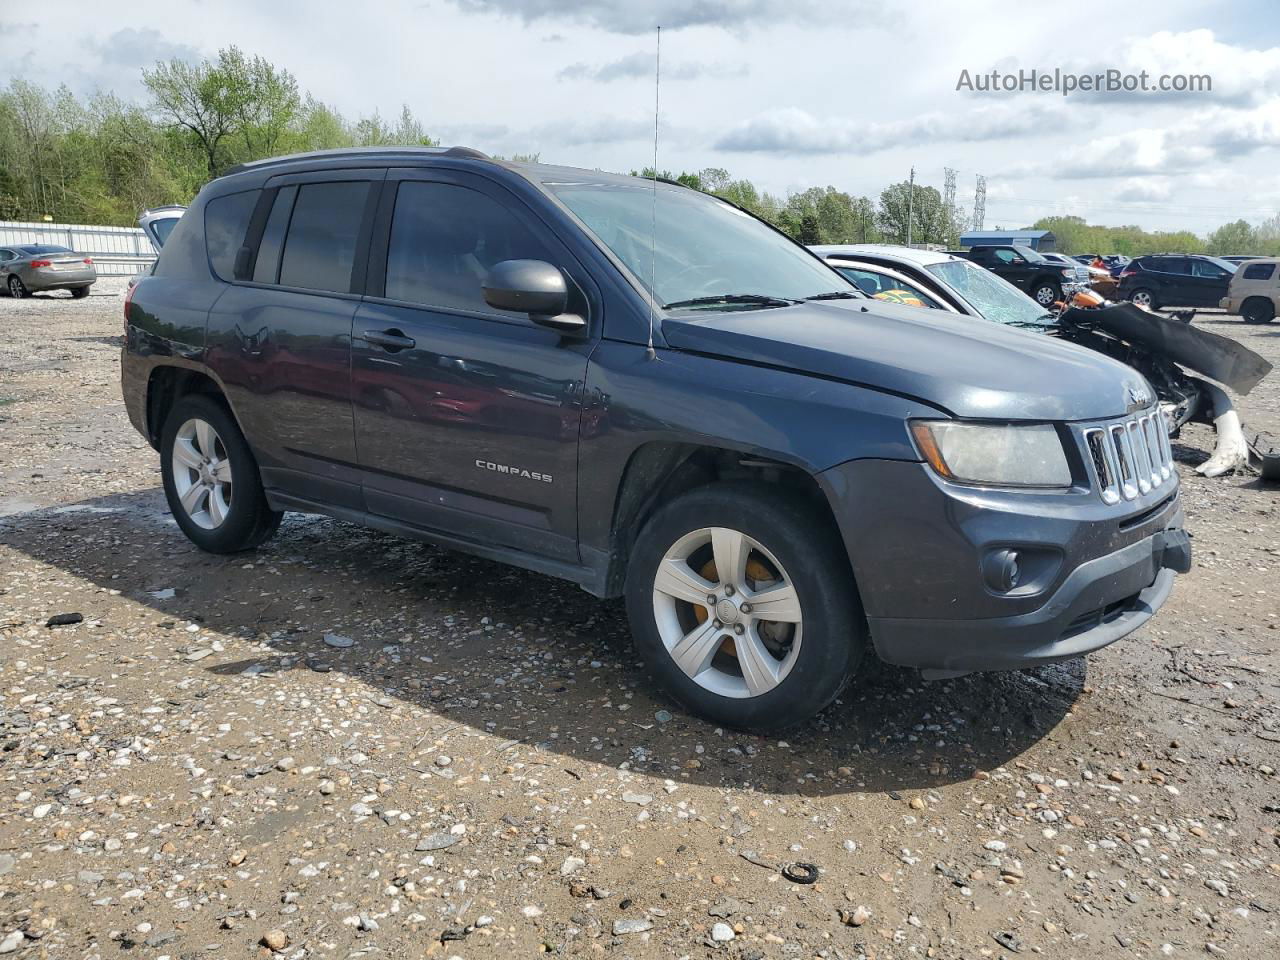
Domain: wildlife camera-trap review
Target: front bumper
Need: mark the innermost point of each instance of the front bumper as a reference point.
(1103, 600)
(1229, 304)
(1093, 573)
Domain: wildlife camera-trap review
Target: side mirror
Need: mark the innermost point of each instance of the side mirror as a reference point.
(526, 286)
(534, 287)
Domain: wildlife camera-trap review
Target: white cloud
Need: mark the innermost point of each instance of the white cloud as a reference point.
(1240, 75)
(1140, 190)
(795, 131)
(642, 16)
(1211, 136)
(635, 66)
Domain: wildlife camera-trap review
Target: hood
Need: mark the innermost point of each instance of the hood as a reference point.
(968, 367)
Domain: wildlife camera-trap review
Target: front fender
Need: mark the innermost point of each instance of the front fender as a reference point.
(808, 422)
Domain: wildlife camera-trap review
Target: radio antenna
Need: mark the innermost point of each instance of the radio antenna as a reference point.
(653, 235)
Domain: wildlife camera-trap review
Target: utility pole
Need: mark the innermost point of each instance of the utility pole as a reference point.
(911, 196)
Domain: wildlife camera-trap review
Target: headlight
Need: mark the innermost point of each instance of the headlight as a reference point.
(997, 454)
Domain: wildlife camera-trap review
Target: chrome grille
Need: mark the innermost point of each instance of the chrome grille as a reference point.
(1130, 457)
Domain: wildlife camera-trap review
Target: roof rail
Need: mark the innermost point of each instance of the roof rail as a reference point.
(354, 152)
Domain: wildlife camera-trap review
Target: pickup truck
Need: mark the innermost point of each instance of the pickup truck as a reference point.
(1043, 280)
(778, 474)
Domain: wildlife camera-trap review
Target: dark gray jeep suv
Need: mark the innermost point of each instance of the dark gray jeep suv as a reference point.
(645, 390)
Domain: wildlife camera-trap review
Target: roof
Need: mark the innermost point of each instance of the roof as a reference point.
(893, 251)
(993, 234)
(356, 152)
(544, 173)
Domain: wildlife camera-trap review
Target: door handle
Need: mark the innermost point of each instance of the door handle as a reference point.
(389, 339)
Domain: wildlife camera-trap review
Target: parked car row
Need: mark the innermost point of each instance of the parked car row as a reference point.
(1245, 286)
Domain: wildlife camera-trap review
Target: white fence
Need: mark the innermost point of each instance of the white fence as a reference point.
(116, 251)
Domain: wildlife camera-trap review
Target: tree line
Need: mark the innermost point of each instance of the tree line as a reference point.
(102, 159)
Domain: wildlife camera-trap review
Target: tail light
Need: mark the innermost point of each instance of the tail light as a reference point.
(1128, 273)
(42, 263)
(89, 261)
(128, 299)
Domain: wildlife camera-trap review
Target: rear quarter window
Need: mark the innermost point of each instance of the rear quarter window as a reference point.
(226, 222)
(1259, 271)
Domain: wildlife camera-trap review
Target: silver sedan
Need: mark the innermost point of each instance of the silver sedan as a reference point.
(33, 267)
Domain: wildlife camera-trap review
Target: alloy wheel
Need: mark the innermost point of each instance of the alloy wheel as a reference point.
(17, 289)
(1141, 299)
(1045, 296)
(202, 474)
(727, 612)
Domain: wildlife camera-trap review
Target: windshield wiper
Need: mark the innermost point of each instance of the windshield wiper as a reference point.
(836, 295)
(727, 298)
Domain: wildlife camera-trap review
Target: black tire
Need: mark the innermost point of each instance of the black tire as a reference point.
(249, 520)
(834, 635)
(1152, 302)
(1258, 310)
(79, 292)
(1046, 292)
(17, 289)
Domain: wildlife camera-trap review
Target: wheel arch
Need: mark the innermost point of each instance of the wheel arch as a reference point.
(657, 472)
(168, 383)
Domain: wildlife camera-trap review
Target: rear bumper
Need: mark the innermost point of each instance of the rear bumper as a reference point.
(1102, 601)
(59, 279)
(1229, 304)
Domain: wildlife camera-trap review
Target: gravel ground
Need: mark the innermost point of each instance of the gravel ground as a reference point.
(347, 744)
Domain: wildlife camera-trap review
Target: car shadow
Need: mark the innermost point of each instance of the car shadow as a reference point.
(526, 658)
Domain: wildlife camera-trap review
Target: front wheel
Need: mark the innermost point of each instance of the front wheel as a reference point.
(211, 479)
(743, 607)
(17, 289)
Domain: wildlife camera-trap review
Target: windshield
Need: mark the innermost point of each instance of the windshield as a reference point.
(703, 248)
(993, 298)
(1031, 256)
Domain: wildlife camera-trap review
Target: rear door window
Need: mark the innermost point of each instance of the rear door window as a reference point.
(320, 246)
(1259, 271)
(226, 221)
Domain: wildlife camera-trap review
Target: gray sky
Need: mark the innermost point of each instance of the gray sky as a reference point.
(790, 93)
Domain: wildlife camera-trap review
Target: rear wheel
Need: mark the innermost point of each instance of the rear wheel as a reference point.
(1047, 293)
(1144, 298)
(743, 606)
(211, 479)
(17, 289)
(79, 292)
(1258, 310)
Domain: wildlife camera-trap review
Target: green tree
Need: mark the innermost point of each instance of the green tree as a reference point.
(1237, 237)
(929, 218)
(207, 99)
